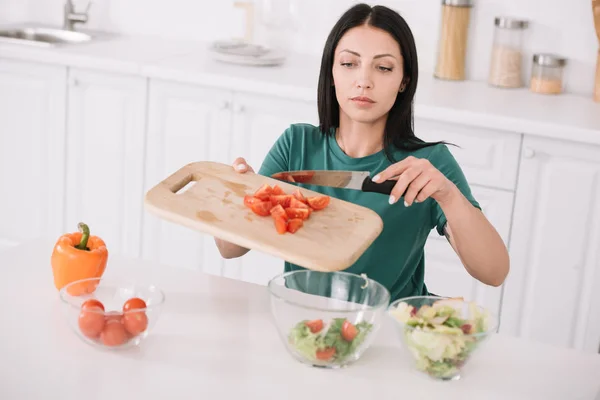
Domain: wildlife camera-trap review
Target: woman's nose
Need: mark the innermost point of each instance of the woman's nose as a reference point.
(364, 80)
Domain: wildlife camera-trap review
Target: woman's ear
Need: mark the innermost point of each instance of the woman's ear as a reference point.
(403, 85)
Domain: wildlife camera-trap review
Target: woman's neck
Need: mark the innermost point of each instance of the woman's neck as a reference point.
(358, 139)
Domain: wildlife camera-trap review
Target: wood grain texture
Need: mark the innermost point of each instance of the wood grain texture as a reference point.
(330, 240)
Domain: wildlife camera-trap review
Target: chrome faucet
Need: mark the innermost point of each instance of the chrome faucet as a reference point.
(71, 17)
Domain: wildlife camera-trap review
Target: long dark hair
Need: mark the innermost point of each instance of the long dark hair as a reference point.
(399, 131)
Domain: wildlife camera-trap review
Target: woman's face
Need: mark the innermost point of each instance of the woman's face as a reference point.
(367, 73)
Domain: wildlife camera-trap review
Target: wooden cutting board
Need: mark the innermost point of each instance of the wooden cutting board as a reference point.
(331, 239)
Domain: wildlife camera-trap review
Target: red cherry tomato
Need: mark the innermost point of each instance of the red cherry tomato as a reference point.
(135, 322)
(116, 316)
(349, 331)
(113, 334)
(91, 322)
(134, 304)
(91, 303)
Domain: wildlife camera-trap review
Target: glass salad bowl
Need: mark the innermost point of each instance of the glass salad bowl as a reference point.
(111, 314)
(441, 334)
(327, 319)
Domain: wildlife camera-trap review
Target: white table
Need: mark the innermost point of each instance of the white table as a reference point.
(215, 338)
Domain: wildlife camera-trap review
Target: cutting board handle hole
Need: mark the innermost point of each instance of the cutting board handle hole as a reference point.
(185, 187)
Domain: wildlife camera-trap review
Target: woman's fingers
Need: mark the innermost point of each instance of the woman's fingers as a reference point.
(404, 180)
(415, 188)
(241, 166)
(394, 169)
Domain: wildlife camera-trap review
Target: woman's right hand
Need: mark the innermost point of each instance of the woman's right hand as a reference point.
(227, 249)
(241, 166)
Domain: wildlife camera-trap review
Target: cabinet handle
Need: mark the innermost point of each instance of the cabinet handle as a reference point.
(529, 152)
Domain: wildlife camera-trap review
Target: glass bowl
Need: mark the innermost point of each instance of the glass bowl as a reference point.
(441, 334)
(327, 319)
(110, 313)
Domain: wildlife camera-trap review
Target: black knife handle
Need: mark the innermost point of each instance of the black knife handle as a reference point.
(383, 187)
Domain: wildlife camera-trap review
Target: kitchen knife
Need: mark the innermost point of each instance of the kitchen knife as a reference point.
(357, 180)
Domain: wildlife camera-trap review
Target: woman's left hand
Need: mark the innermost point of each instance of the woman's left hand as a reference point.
(419, 179)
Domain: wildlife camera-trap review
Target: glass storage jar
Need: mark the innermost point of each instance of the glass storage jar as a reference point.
(454, 31)
(547, 74)
(507, 55)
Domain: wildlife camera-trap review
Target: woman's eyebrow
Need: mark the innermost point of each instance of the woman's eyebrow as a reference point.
(358, 55)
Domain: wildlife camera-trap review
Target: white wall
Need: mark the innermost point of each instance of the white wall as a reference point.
(560, 26)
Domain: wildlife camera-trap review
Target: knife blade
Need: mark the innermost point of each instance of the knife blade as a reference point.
(357, 180)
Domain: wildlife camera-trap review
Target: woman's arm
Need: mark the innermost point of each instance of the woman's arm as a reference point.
(475, 240)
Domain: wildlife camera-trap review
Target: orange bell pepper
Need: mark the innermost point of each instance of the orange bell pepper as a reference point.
(78, 256)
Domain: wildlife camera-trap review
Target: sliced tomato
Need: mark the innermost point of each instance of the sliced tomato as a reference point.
(278, 212)
(263, 208)
(277, 191)
(349, 331)
(294, 224)
(264, 192)
(304, 177)
(283, 199)
(249, 200)
(295, 203)
(290, 178)
(318, 202)
(302, 213)
(315, 325)
(280, 224)
(298, 195)
(325, 354)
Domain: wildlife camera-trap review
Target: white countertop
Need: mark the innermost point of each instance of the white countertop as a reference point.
(564, 116)
(215, 337)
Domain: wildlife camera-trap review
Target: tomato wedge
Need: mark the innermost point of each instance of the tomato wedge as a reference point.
(302, 213)
(325, 354)
(262, 208)
(249, 200)
(278, 212)
(280, 224)
(349, 331)
(298, 195)
(283, 199)
(277, 191)
(264, 192)
(295, 203)
(318, 202)
(315, 325)
(294, 225)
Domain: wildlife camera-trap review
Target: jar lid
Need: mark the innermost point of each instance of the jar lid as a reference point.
(510, 23)
(549, 60)
(458, 3)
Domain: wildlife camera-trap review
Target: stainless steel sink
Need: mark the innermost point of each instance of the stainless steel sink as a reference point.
(41, 36)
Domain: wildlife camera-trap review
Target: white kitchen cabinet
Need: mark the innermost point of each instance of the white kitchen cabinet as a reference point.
(257, 123)
(551, 292)
(186, 123)
(105, 157)
(32, 140)
(445, 274)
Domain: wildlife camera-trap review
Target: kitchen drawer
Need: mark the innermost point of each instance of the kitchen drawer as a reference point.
(487, 157)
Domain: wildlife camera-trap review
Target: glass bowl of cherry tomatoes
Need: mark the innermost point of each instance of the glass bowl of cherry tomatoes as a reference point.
(111, 314)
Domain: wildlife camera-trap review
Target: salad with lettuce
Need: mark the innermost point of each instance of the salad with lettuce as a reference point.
(331, 343)
(439, 337)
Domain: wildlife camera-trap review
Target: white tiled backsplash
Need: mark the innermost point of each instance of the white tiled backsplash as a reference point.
(560, 26)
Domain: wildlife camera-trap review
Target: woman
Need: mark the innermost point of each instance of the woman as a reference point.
(366, 87)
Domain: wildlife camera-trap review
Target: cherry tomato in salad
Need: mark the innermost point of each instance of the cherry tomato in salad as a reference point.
(325, 354)
(315, 325)
(91, 303)
(91, 321)
(135, 303)
(349, 331)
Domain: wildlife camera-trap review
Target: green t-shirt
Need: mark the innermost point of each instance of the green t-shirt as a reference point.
(396, 258)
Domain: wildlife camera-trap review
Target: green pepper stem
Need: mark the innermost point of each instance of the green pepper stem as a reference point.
(85, 230)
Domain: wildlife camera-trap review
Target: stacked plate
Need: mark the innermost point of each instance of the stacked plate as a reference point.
(240, 52)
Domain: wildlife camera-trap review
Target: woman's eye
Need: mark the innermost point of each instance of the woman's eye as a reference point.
(385, 69)
(346, 64)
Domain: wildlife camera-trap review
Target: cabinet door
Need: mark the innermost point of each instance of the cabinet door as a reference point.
(105, 157)
(32, 140)
(258, 123)
(186, 123)
(445, 274)
(551, 292)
